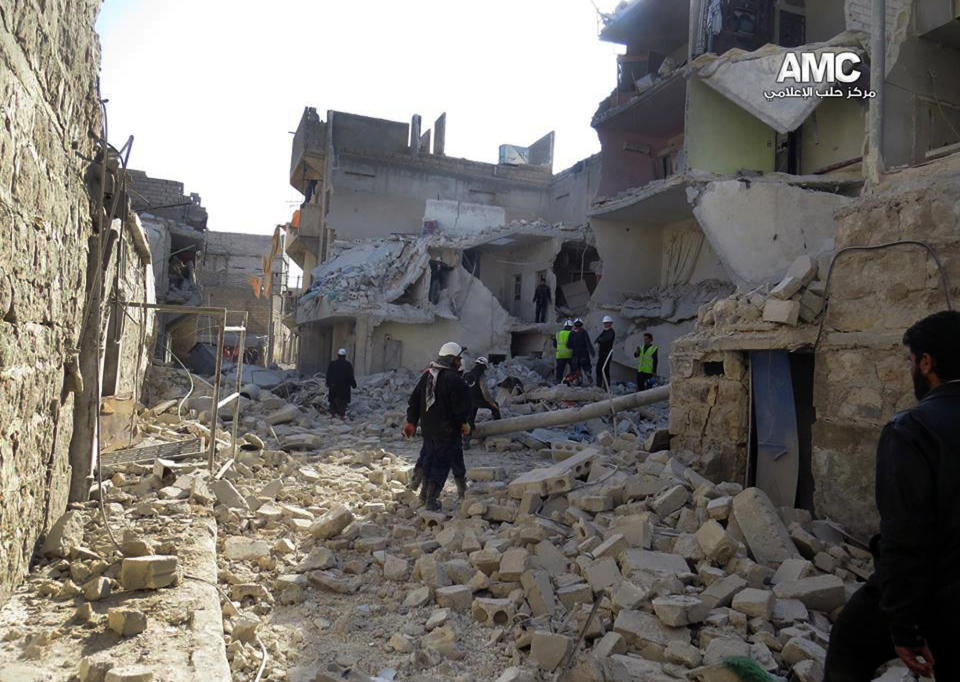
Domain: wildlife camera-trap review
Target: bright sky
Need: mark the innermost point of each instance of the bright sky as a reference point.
(211, 89)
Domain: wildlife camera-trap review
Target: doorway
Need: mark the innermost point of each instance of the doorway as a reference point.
(782, 416)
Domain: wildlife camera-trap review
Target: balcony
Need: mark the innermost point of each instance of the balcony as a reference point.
(308, 158)
(302, 249)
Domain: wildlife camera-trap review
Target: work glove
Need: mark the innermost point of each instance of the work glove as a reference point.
(409, 430)
(465, 429)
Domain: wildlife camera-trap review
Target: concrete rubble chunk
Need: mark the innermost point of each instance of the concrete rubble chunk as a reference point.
(493, 612)
(228, 495)
(820, 593)
(639, 628)
(65, 534)
(126, 622)
(716, 543)
(129, 673)
(96, 589)
(781, 312)
(638, 560)
(332, 523)
(611, 643)
(239, 548)
(94, 669)
(548, 649)
(804, 268)
(284, 415)
(754, 603)
(456, 597)
(678, 610)
(515, 674)
(149, 572)
(333, 583)
(798, 649)
(670, 500)
(765, 534)
(513, 564)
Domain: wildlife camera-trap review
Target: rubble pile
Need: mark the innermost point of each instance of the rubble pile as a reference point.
(596, 561)
(797, 298)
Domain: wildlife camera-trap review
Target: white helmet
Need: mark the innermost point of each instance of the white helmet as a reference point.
(342, 352)
(607, 318)
(482, 361)
(577, 321)
(568, 323)
(450, 348)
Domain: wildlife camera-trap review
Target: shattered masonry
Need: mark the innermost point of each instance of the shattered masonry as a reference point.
(673, 536)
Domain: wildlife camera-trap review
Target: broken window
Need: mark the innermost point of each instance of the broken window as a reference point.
(439, 279)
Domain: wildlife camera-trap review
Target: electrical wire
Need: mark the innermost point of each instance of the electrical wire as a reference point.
(944, 280)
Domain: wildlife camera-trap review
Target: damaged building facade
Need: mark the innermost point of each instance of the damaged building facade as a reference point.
(787, 383)
(400, 243)
(199, 267)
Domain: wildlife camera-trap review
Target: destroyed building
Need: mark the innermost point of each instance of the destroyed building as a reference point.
(194, 266)
(466, 243)
(833, 339)
(153, 528)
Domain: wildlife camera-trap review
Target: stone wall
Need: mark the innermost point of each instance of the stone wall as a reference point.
(49, 59)
(862, 374)
(710, 407)
(165, 198)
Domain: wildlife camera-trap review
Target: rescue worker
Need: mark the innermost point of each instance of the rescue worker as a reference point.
(605, 350)
(479, 396)
(647, 361)
(561, 341)
(582, 349)
(340, 380)
(542, 298)
(439, 404)
(908, 608)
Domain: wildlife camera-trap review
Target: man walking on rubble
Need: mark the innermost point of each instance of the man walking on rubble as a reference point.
(340, 380)
(439, 405)
(604, 351)
(582, 350)
(561, 341)
(647, 361)
(909, 607)
(479, 395)
(542, 297)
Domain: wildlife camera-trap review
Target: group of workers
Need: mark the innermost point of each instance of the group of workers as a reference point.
(574, 355)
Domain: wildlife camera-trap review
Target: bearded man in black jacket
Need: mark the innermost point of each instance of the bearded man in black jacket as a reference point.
(910, 606)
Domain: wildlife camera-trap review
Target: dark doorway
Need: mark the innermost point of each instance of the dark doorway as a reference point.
(782, 417)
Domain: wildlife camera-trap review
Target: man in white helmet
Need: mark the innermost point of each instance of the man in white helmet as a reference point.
(340, 380)
(604, 343)
(439, 405)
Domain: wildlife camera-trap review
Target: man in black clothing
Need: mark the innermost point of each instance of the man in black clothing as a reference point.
(340, 380)
(542, 297)
(439, 404)
(605, 348)
(908, 608)
(582, 349)
(479, 396)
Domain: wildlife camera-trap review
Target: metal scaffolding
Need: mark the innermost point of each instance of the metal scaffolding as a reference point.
(220, 316)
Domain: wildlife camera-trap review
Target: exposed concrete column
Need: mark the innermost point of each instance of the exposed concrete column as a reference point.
(363, 335)
(440, 134)
(878, 75)
(415, 134)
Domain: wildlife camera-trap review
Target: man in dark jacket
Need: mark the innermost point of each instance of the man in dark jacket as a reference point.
(439, 404)
(479, 395)
(604, 350)
(582, 349)
(542, 297)
(340, 380)
(909, 607)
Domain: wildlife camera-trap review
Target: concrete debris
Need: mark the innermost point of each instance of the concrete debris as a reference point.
(665, 572)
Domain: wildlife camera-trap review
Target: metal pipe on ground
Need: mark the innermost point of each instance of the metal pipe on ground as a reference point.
(573, 415)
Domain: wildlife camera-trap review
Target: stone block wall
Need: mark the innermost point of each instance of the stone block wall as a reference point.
(709, 412)
(49, 59)
(862, 370)
(165, 198)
